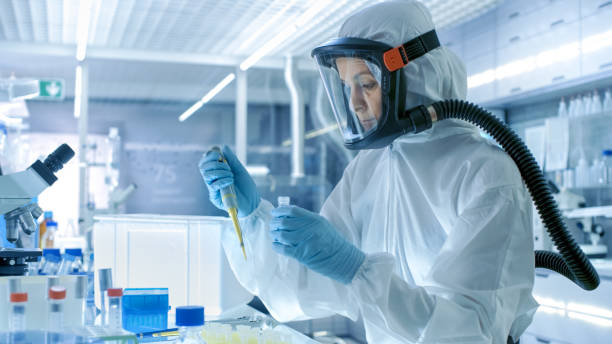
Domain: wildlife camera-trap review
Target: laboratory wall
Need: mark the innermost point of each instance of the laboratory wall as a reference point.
(161, 154)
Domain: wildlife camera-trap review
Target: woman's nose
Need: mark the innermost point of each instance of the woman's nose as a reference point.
(357, 100)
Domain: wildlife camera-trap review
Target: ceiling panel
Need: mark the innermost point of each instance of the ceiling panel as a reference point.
(228, 27)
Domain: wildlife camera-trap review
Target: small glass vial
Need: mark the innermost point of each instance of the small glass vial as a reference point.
(17, 320)
(57, 296)
(283, 201)
(190, 321)
(52, 259)
(114, 308)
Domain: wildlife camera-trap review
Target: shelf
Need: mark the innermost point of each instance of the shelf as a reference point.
(589, 212)
(553, 91)
(578, 190)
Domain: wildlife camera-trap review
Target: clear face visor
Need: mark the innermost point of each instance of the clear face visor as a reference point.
(353, 85)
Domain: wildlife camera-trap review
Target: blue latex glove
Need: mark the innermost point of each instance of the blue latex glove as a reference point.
(313, 241)
(217, 175)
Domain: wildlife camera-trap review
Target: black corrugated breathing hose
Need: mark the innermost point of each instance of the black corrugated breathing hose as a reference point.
(572, 262)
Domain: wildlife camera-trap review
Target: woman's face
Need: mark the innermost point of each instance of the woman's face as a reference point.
(364, 90)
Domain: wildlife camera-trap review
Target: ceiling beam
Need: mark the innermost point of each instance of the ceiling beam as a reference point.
(180, 92)
(147, 56)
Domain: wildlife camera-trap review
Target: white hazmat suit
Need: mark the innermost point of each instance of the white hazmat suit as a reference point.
(442, 216)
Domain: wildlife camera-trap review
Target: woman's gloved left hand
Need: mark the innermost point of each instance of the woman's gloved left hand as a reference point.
(313, 241)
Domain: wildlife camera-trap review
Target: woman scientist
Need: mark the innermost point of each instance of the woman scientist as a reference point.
(427, 236)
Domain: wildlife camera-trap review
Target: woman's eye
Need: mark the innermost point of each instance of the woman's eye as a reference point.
(370, 85)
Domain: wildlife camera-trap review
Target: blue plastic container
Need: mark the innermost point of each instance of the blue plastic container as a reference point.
(145, 309)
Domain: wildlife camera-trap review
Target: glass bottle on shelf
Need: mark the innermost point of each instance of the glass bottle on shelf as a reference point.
(596, 103)
(587, 104)
(579, 104)
(598, 175)
(571, 108)
(562, 111)
(607, 166)
(607, 102)
(582, 173)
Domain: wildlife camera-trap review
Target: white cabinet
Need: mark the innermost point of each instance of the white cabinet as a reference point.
(181, 253)
(453, 40)
(478, 44)
(592, 7)
(513, 68)
(478, 65)
(557, 54)
(596, 36)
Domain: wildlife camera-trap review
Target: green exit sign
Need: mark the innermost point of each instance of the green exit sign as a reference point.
(51, 89)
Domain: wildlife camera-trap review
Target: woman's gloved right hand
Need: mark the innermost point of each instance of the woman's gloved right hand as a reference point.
(217, 175)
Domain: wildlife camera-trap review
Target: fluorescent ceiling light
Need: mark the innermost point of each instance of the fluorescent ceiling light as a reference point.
(78, 91)
(283, 35)
(266, 48)
(83, 28)
(258, 170)
(210, 95)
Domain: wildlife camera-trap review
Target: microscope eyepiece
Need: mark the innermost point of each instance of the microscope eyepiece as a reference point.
(56, 160)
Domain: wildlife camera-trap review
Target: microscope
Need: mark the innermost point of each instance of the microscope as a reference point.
(16, 193)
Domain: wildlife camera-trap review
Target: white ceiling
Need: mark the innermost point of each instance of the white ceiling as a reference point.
(176, 44)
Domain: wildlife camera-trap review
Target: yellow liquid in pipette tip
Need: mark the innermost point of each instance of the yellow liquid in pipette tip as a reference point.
(234, 215)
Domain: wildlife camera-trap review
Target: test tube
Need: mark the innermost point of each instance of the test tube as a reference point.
(80, 294)
(106, 281)
(57, 296)
(17, 320)
(114, 308)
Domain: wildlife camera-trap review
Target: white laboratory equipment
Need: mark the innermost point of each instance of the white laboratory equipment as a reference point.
(190, 321)
(181, 253)
(17, 318)
(57, 295)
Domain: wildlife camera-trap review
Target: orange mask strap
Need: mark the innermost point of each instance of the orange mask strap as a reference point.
(400, 56)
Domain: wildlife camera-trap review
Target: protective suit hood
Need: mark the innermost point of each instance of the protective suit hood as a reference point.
(437, 75)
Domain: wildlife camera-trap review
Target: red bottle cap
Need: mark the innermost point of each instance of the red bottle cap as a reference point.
(19, 297)
(114, 292)
(57, 293)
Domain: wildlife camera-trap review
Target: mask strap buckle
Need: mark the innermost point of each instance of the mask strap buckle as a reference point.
(400, 56)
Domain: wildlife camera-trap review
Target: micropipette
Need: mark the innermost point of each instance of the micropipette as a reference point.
(230, 202)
